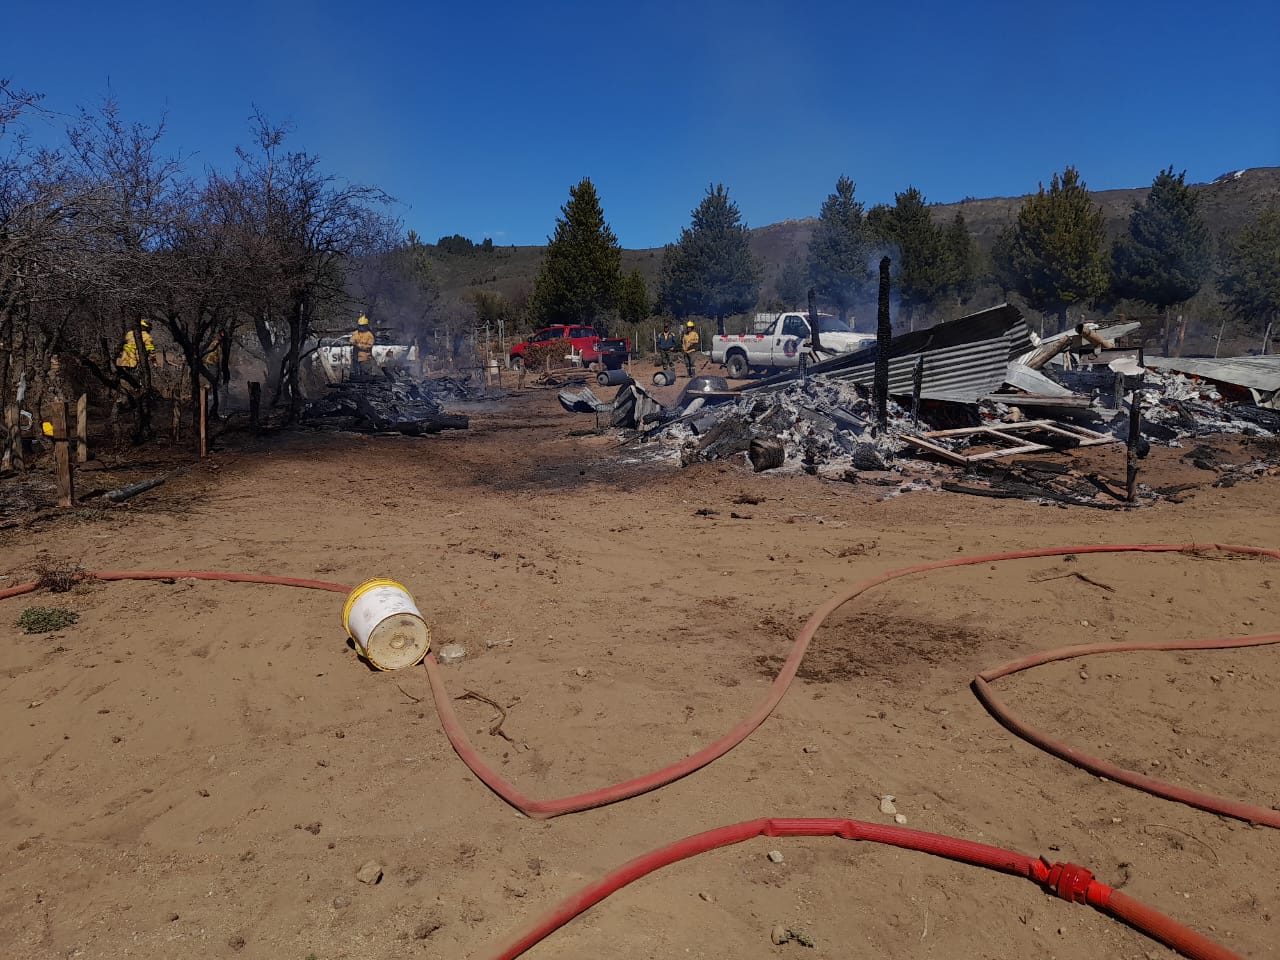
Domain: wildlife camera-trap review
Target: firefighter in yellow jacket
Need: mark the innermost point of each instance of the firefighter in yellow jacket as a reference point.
(129, 354)
(361, 347)
(689, 345)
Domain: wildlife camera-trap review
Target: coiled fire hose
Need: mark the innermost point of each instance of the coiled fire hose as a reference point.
(1076, 881)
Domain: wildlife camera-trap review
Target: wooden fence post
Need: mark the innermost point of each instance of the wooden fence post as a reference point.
(62, 454)
(82, 429)
(204, 421)
(255, 406)
(13, 439)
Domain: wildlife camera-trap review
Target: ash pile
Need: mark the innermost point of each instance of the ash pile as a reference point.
(811, 426)
(966, 396)
(393, 403)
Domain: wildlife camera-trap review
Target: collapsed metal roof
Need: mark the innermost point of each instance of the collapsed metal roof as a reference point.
(964, 360)
(1260, 375)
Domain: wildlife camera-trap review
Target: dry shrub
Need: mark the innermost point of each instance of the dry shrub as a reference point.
(55, 575)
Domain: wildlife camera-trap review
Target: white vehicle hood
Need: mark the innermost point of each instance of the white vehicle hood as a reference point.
(846, 342)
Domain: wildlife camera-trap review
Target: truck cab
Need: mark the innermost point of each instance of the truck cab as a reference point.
(782, 342)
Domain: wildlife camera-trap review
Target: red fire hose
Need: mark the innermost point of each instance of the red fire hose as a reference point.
(1075, 881)
(545, 809)
(1068, 881)
(1103, 768)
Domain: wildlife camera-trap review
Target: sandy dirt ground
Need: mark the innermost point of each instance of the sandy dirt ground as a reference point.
(199, 769)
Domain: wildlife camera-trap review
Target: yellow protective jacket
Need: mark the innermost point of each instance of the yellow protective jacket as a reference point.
(690, 342)
(129, 355)
(362, 340)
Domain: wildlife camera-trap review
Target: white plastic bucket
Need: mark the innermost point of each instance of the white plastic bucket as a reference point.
(384, 621)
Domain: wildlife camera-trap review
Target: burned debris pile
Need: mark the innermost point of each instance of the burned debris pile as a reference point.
(393, 403)
(965, 398)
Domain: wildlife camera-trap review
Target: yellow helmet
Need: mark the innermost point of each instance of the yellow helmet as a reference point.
(146, 324)
(46, 428)
(363, 321)
(689, 324)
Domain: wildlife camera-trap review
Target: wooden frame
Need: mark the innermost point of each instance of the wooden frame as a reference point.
(1006, 433)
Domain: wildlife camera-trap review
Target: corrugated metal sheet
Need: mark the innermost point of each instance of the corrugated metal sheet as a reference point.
(964, 359)
(1253, 373)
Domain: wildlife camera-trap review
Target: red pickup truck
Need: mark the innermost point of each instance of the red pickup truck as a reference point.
(585, 342)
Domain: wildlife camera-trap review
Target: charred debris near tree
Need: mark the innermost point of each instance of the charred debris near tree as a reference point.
(393, 401)
(978, 406)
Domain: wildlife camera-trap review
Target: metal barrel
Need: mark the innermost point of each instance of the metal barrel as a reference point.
(613, 378)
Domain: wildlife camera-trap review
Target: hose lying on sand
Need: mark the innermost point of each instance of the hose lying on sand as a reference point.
(544, 809)
(1069, 881)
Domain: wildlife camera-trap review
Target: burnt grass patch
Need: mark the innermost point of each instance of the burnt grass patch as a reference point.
(892, 648)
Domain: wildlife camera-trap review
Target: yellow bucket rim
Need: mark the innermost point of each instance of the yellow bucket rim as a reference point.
(364, 588)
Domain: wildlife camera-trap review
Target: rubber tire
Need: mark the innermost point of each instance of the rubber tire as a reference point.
(516, 363)
(736, 365)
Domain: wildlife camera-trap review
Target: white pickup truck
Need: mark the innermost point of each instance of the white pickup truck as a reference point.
(334, 354)
(781, 344)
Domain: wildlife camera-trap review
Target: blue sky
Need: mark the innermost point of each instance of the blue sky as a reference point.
(479, 117)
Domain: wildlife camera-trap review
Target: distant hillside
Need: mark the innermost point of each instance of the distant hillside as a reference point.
(1227, 204)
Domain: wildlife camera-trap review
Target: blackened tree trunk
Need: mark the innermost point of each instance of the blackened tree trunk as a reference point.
(298, 324)
(145, 391)
(813, 320)
(884, 336)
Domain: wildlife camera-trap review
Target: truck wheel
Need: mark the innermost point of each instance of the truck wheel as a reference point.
(736, 365)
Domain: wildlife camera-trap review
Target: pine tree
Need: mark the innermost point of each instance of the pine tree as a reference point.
(838, 249)
(792, 283)
(1165, 256)
(581, 271)
(1250, 277)
(710, 271)
(909, 229)
(960, 254)
(633, 298)
(1053, 255)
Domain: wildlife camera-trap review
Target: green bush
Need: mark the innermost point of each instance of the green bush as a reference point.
(46, 619)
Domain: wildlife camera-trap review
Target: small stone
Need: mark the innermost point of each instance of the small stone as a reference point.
(706, 897)
(886, 805)
(775, 856)
(236, 942)
(33, 704)
(371, 872)
(313, 828)
(1155, 763)
(452, 653)
(581, 671)
(498, 642)
(1215, 678)
(172, 917)
(339, 734)
(899, 818)
(426, 928)
(779, 934)
(1084, 675)
(1117, 820)
(202, 792)
(341, 903)
(811, 749)
(1084, 623)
